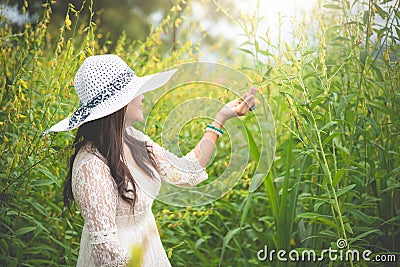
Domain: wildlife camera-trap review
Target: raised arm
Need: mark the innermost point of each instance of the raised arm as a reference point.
(189, 170)
(182, 171)
(237, 107)
(96, 197)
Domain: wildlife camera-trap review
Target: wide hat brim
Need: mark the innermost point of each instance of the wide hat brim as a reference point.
(137, 86)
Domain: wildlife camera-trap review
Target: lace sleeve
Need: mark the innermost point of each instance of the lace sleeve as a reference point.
(182, 171)
(96, 197)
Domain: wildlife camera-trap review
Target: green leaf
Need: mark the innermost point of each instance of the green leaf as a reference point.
(380, 11)
(318, 204)
(332, 6)
(360, 215)
(328, 125)
(265, 53)
(316, 101)
(228, 238)
(311, 74)
(328, 220)
(366, 17)
(256, 181)
(246, 208)
(308, 52)
(25, 230)
(48, 174)
(338, 177)
(254, 150)
(272, 194)
(39, 208)
(345, 189)
(348, 228)
(361, 236)
(247, 51)
(374, 125)
(329, 138)
(308, 215)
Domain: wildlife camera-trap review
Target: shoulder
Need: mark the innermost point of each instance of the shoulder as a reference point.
(87, 156)
(90, 174)
(91, 181)
(132, 131)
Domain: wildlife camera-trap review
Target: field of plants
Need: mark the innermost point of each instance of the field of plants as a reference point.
(334, 92)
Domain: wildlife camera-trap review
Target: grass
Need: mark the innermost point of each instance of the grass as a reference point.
(334, 94)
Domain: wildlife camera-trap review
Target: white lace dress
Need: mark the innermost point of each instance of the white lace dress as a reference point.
(110, 230)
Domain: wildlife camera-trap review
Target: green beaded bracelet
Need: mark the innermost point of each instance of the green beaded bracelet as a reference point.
(215, 128)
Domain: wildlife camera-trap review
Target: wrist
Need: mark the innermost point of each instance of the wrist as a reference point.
(219, 121)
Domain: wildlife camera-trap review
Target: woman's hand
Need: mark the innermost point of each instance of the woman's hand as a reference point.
(237, 107)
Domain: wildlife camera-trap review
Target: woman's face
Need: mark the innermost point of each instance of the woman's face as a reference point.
(134, 110)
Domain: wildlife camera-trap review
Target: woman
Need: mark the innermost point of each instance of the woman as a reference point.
(116, 170)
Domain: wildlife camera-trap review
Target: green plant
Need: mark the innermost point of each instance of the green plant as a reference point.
(340, 91)
(334, 93)
(37, 90)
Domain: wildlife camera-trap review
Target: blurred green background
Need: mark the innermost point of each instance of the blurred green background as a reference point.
(330, 72)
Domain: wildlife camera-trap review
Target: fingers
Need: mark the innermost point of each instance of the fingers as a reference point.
(242, 98)
(244, 107)
(248, 101)
(251, 101)
(253, 90)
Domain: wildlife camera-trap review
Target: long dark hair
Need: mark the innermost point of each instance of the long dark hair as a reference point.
(104, 138)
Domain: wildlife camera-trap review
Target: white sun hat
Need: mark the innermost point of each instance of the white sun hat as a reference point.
(105, 84)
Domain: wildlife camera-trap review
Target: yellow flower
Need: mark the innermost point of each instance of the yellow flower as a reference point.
(137, 253)
(177, 22)
(68, 22)
(165, 211)
(185, 215)
(89, 51)
(23, 83)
